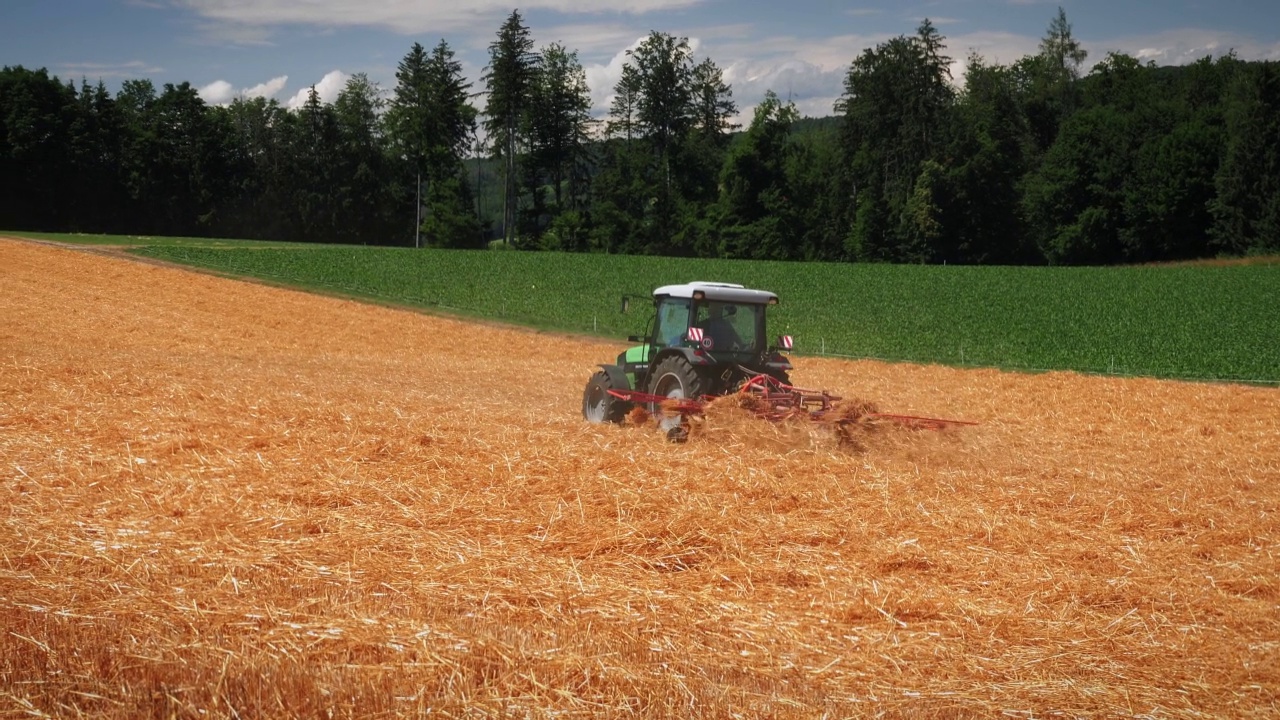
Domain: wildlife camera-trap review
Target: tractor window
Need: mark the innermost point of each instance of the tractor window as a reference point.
(673, 320)
(729, 326)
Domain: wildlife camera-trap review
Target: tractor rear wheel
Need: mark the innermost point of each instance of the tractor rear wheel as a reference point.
(674, 378)
(598, 405)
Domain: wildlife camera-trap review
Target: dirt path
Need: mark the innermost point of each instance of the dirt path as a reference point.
(237, 499)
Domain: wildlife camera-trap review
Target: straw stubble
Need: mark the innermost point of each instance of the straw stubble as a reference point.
(226, 499)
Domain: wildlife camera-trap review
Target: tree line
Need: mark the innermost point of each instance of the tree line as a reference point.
(1034, 162)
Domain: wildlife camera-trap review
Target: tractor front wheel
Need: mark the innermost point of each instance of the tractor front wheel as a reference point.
(674, 378)
(598, 405)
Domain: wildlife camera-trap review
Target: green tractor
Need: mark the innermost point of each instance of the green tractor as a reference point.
(705, 339)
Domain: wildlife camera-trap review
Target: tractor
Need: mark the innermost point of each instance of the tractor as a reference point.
(705, 339)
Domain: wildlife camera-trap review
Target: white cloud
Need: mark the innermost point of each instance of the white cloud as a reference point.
(133, 69)
(811, 71)
(221, 92)
(995, 48)
(405, 16)
(832, 53)
(328, 88)
(231, 33)
(813, 89)
(218, 92)
(590, 40)
(1171, 47)
(268, 89)
(601, 77)
(1183, 46)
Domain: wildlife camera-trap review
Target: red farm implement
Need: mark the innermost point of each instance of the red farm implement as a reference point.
(769, 398)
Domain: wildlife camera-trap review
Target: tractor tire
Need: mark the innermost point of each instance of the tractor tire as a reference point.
(598, 406)
(674, 377)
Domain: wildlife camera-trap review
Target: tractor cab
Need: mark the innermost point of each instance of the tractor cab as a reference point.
(719, 318)
(705, 338)
(717, 326)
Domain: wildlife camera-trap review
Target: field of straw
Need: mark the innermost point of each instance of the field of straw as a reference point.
(223, 499)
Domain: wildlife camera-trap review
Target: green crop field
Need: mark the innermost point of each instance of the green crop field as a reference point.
(1201, 322)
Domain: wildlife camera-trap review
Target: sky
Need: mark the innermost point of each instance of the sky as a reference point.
(800, 49)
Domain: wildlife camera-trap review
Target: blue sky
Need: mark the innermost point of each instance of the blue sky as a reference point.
(798, 48)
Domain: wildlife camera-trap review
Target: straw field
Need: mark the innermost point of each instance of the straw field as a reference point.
(230, 500)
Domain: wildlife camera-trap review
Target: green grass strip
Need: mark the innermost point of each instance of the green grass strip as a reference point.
(1199, 322)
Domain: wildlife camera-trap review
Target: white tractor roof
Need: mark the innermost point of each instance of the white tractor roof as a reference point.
(724, 292)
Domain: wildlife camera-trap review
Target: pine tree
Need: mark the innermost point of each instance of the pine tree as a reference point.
(510, 75)
(713, 105)
(432, 126)
(316, 170)
(624, 110)
(1060, 48)
(712, 110)
(1051, 80)
(262, 130)
(360, 191)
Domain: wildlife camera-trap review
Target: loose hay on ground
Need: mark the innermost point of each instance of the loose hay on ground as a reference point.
(232, 500)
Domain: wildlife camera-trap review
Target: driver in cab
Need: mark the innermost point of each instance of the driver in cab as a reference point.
(715, 323)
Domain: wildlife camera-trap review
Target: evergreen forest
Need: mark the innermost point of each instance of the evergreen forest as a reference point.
(1039, 162)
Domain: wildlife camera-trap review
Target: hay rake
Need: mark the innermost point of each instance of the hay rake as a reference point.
(771, 399)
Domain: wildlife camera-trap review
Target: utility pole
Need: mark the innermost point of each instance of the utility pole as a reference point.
(417, 228)
(479, 187)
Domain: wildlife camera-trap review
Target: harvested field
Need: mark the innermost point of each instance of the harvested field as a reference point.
(232, 500)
